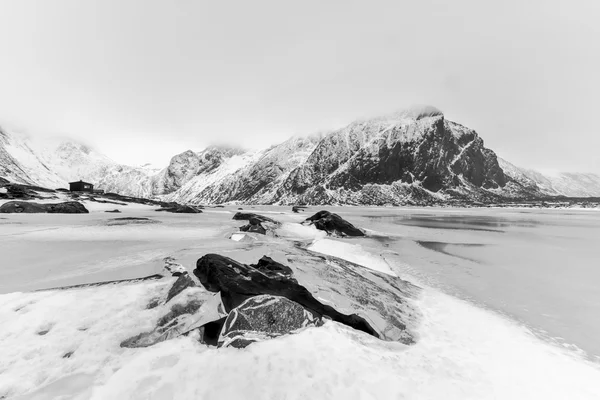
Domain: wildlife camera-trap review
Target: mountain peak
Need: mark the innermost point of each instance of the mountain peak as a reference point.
(421, 111)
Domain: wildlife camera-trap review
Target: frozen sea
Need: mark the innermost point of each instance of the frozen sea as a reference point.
(510, 308)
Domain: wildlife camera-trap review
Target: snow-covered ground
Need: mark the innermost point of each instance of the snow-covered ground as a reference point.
(64, 344)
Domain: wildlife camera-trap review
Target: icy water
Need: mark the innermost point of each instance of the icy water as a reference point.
(540, 267)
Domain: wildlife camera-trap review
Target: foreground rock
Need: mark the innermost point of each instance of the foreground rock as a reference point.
(69, 207)
(333, 224)
(264, 317)
(238, 282)
(181, 209)
(243, 216)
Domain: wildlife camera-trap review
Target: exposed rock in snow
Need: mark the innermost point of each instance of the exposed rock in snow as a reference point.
(254, 225)
(27, 207)
(333, 224)
(264, 317)
(244, 216)
(238, 282)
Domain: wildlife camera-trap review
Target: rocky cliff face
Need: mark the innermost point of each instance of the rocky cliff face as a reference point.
(395, 156)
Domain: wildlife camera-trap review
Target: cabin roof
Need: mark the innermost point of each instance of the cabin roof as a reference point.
(87, 183)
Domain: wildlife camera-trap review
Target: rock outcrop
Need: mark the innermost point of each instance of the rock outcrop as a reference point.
(254, 225)
(264, 317)
(333, 224)
(244, 216)
(238, 282)
(69, 207)
(181, 209)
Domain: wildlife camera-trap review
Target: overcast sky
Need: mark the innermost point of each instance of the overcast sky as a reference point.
(141, 80)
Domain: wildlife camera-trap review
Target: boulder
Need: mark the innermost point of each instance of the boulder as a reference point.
(297, 209)
(263, 317)
(255, 226)
(242, 216)
(333, 224)
(69, 207)
(181, 209)
(238, 282)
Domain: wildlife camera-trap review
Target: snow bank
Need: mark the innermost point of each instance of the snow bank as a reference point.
(353, 253)
(294, 231)
(463, 353)
(62, 341)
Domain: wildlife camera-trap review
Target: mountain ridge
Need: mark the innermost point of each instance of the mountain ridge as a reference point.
(414, 156)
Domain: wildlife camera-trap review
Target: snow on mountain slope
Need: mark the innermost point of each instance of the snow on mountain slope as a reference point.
(250, 177)
(54, 162)
(19, 163)
(555, 184)
(415, 156)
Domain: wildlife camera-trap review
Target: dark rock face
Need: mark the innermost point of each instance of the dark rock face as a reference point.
(379, 161)
(23, 192)
(242, 216)
(264, 317)
(183, 282)
(3, 181)
(181, 209)
(113, 211)
(255, 226)
(238, 282)
(333, 224)
(297, 209)
(69, 207)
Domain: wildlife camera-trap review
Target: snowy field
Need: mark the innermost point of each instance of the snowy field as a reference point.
(64, 344)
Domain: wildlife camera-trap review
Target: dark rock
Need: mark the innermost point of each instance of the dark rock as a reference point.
(334, 224)
(3, 181)
(69, 207)
(240, 208)
(92, 198)
(181, 209)
(183, 282)
(219, 206)
(131, 220)
(113, 211)
(165, 325)
(264, 317)
(211, 331)
(254, 226)
(271, 267)
(137, 200)
(68, 354)
(297, 209)
(153, 303)
(241, 216)
(238, 282)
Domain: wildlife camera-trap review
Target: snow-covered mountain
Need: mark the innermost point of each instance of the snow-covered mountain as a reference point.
(568, 184)
(414, 156)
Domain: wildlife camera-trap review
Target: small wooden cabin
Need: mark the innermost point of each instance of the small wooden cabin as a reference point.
(81, 186)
